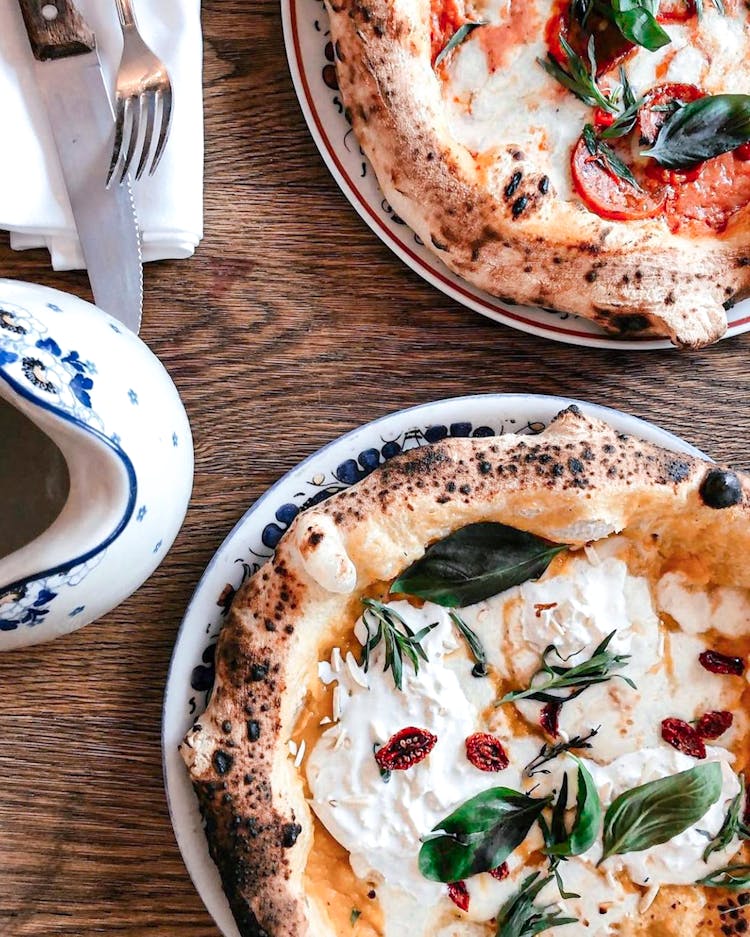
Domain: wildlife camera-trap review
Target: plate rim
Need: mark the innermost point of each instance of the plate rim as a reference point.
(447, 403)
(431, 272)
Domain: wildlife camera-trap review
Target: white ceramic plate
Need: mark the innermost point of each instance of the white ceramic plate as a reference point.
(310, 55)
(331, 469)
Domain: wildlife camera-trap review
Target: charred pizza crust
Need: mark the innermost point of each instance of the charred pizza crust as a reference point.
(576, 482)
(633, 278)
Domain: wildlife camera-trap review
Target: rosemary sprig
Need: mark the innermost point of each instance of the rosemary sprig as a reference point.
(732, 825)
(631, 104)
(385, 624)
(475, 646)
(607, 158)
(730, 876)
(520, 917)
(599, 668)
(579, 78)
(459, 36)
(550, 752)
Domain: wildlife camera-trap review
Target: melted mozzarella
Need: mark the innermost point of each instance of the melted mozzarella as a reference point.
(723, 609)
(678, 861)
(591, 594)
(520, 105)
(380, 824)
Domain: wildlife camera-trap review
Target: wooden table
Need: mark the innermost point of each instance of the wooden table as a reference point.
(291, 325)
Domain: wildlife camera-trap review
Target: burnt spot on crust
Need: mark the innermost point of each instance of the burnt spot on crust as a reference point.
(438, 245)
(519, 206)
(677, 470)
(222, 762)
(622, 322)
(515, 181)
(289, 834)
(258, 672)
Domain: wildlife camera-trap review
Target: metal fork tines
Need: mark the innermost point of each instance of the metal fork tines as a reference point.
(144, 103)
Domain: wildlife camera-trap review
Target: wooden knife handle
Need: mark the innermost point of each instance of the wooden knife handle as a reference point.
(56, 29)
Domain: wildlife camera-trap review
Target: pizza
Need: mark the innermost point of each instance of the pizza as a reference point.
(585, 156)
(497, 688)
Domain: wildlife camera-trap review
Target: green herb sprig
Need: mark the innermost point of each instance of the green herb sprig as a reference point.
(548, 753)
(627, 118)
(729, 876)
(475, 646)
(603, 154)
(731, 827)
(385, 624)
(520, 917)
(599, 668)
(459, 36)
(579, 77)
(561, 842)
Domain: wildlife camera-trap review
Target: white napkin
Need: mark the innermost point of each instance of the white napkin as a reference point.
(34, 205)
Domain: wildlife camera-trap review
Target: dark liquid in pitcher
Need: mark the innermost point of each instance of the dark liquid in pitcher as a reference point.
(34, 480)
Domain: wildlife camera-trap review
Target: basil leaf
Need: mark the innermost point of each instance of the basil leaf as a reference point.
(520, 917)
(638, 24)
(479, 835)
(655, 812)
(462, 33)
(476, 562)
(588, 816)
(702, 129)
(730, 876)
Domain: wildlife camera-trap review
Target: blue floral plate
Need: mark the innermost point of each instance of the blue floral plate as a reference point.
(333, 468)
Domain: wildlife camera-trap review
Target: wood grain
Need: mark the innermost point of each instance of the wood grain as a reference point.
(66, 34)
(291, 325)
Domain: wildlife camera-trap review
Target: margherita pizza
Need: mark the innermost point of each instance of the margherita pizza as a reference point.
(589, 156)
(496, 689)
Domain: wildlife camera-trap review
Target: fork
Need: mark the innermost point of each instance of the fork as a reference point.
(144, 94)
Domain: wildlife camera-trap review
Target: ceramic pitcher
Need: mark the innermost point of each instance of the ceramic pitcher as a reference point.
(96, 463)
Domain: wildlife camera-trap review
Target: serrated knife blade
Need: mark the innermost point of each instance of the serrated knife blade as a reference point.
(70, 78)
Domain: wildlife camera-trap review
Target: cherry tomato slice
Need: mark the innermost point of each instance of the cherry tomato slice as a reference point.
(743, 152)
(610, 46)
(607, 195)
(655, 111)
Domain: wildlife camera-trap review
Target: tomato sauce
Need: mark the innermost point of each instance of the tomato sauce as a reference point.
(499, 40)
(446, 18)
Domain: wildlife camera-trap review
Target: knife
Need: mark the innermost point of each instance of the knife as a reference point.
(70, 77)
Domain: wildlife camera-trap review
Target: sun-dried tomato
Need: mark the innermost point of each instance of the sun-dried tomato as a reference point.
(486, 752)
(404, 749)
(550, 718)
(716, 662)
(459, 895)
(501, 872)
(713, 724)
(682, 736)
